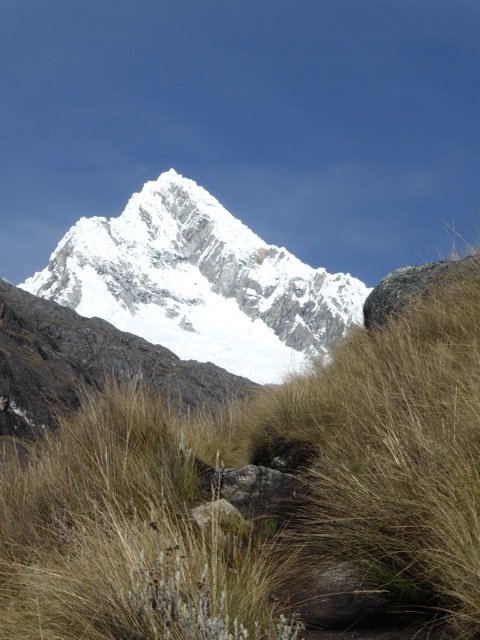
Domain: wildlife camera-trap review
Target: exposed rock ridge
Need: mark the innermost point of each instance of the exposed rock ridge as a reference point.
(48, 352)
(295, 310)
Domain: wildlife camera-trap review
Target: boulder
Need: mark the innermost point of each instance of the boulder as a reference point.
(403, 286)
(339, 602)
(262, 492)
(414, 630)
(337, 597)
(283, 454)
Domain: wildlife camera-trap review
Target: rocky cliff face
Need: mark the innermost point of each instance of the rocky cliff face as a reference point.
(48, 353)
(179, 270)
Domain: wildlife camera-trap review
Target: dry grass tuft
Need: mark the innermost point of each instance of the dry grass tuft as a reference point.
(97, 540)
(395, 422)
(128, 579)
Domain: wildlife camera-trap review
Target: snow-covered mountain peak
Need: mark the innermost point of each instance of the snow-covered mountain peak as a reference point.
(177, 268)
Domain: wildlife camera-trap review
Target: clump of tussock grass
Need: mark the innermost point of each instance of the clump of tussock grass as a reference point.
(127, 579)
(221, 437)
(97, 541)
(394, 420)
(121, 450)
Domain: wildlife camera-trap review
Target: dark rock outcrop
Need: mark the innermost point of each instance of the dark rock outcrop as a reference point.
(262, 492)
(403, 286)
(412, 630)
(48, 352)
(340, 601)
(338, 597)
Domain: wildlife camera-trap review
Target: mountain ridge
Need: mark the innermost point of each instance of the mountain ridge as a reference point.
(49, 353)
(180, 270)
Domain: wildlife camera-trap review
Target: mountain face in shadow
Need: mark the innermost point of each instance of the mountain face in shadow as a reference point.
(49, 352)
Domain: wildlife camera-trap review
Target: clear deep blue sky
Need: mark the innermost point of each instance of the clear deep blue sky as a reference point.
(347, 131)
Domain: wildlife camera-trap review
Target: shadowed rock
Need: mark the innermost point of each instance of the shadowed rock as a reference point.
(283, 454)
(337, 597)
(48, 352)
(414, 630)
(340, 602)
(259, 491)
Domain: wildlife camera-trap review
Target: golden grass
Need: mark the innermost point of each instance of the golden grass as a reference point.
(222, 438)
(395, 421)
(129, 579)
(96, 540)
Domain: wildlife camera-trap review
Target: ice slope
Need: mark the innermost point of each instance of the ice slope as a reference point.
(181, 271)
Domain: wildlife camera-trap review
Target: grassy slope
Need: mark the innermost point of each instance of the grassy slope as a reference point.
(395, 422)
(96, 540)
(95, 537)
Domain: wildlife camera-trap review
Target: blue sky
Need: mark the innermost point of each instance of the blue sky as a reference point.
(346, 131)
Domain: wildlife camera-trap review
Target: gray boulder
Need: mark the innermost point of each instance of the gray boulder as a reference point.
(220, 511)
(262, 492)
(414, 630)
(403, 286)
(340, 602)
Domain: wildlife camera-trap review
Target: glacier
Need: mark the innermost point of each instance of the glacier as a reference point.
(179, 270)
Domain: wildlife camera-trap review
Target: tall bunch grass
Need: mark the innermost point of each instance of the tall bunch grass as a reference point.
(97, 542)
(395, 423)
(128, 579)
(221, 437)
(123, 449)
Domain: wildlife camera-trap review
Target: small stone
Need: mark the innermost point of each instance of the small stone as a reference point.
(227, 516)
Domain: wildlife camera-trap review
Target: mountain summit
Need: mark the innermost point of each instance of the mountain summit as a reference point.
(178, 269)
